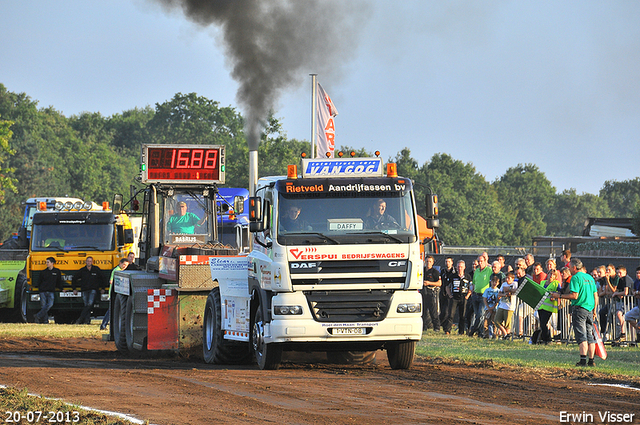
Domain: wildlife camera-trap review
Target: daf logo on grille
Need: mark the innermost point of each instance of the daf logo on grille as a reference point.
(397, 263)
(304, 265)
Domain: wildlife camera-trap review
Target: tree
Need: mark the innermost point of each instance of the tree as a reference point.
(526, 196)
(7, 182)
(470, 213)
(569, 212)
(623, 197)
(130, 130)
(193, 119)
(275, 152)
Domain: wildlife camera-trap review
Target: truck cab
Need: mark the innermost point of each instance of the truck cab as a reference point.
(70, 237)
(336, 262)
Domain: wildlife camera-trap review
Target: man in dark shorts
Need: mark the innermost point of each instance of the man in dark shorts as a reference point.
(584, 300)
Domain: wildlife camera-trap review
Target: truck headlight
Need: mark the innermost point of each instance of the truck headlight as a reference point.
(104, 297)
(409, 308)
(287, 309)
(35, 297)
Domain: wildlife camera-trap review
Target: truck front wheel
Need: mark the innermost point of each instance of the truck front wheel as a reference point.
(401, 354)
(268, 356)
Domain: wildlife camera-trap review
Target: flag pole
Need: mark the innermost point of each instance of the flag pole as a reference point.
(314, 86)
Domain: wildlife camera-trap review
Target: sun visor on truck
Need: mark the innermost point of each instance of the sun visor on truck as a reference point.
(383, 186)
(74, 218)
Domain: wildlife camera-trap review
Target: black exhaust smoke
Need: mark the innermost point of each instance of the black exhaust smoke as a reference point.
(272, 45)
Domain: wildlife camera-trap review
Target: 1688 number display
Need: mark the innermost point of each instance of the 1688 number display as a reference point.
(55, 417)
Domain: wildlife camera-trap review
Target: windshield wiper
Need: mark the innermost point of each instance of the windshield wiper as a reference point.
(386, 235)
(319, 235)
(94, 248)
(57, 248)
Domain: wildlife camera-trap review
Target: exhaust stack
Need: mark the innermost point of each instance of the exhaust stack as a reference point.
(253, 172)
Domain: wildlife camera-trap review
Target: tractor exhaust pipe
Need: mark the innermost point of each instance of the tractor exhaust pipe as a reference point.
(253, 172)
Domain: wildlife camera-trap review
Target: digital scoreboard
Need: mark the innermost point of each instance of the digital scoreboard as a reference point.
(183, 164)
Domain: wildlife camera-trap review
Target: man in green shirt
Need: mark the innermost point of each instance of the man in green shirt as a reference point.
(481, 278)
(183, 221)
(584, 299)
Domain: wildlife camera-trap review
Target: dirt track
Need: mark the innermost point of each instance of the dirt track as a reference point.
(178, 391)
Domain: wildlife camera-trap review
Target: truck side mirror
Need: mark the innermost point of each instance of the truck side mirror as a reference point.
(432, 211)
(238, 204)
(256, 224)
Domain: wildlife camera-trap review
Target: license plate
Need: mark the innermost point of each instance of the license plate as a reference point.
(348, 331)
(70, 295)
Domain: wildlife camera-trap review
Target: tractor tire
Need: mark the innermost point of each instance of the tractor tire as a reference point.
(119, 320)
(215, 348)
(268, 356)
(129, 326)
(401, 354)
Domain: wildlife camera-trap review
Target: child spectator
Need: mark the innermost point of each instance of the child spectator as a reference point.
(506, 306)
(490, 298)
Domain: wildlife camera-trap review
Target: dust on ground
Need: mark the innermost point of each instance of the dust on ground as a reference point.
(167, 389)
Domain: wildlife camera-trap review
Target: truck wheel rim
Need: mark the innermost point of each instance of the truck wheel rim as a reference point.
(209, 329)
(258, 338)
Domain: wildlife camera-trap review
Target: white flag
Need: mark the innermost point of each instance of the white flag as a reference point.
(326, 130)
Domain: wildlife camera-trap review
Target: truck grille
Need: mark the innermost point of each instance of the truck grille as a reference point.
(349, 306)
(387, 272)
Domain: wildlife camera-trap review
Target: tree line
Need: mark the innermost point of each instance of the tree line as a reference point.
(90, 156)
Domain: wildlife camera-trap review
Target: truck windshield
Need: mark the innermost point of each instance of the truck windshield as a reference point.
(185, 219)
(334, 219)
(73, 237)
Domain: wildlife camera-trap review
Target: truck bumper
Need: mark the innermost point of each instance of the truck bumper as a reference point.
(305, 329)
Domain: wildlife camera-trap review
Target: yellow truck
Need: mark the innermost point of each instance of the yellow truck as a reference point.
(69, 236)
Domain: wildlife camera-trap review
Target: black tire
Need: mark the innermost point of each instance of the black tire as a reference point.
(22, 314)
(214, 347)
(400, 354)
(129, 325)
(268, 356)
(118, 323)
(351, 357)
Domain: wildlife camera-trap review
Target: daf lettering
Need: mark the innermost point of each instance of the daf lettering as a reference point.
(304, 265)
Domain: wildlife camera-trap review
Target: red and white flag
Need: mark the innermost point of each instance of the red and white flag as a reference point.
(326, 130)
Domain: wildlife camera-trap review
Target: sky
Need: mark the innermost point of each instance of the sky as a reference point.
(496, 84)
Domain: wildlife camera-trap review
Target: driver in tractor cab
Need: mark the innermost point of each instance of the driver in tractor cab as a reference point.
(183, 221)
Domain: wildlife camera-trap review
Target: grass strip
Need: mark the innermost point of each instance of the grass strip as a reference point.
(19, 407)
(620, 360)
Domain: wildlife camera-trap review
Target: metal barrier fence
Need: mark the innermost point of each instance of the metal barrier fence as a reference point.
(525, 322)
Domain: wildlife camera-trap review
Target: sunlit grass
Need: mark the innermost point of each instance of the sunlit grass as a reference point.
(620, 360)
(33, 330)
(15, 404)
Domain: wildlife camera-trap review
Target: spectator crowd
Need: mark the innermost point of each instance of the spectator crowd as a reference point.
(480, 298)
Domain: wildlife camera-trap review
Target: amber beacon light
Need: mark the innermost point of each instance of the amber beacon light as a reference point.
(392, 170)
(292, 171)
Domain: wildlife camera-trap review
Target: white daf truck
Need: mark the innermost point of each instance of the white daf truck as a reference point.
(335, 266)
